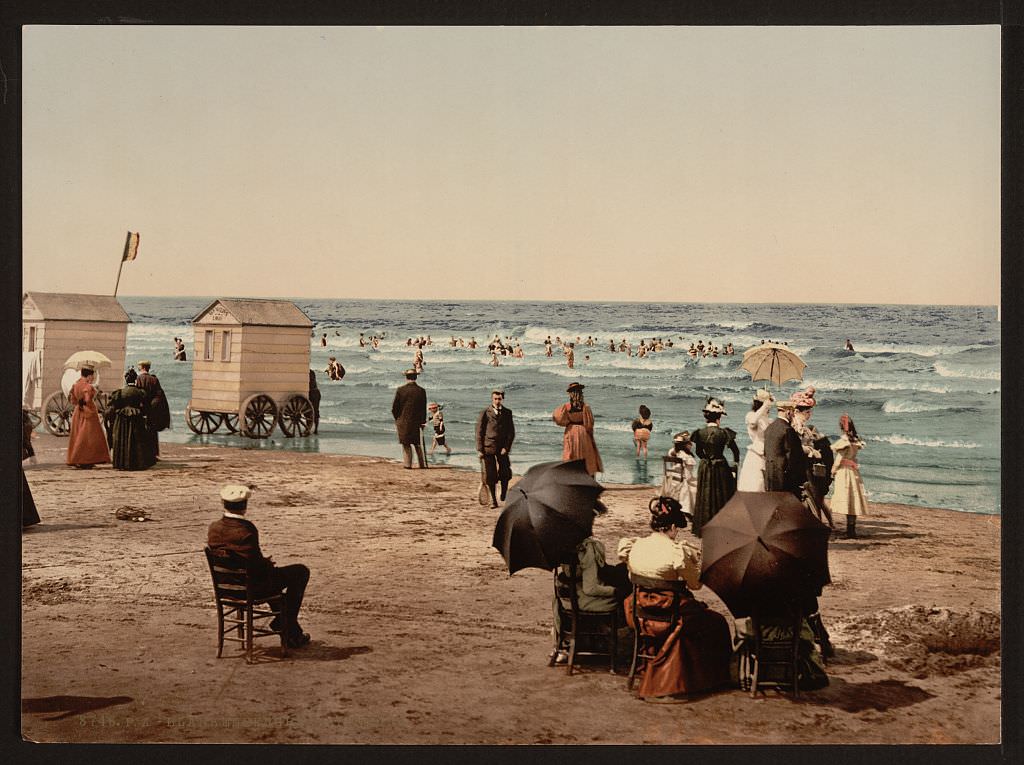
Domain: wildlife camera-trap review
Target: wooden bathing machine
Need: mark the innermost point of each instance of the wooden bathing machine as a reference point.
(250, 368)
(55, 325)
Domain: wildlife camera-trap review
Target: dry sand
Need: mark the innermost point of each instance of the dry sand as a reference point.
(419, 634)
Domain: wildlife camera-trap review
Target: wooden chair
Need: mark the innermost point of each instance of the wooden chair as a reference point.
(772, 663)
(646, 647)
(574, 623)
(240, 608)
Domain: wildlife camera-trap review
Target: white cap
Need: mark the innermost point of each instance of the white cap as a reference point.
(234, 493)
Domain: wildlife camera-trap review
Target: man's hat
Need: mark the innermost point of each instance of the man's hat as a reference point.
(145, 363)
(234, 492)
(411, 374)
(499, 391)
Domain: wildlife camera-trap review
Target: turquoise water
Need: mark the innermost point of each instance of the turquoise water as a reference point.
(923, 385)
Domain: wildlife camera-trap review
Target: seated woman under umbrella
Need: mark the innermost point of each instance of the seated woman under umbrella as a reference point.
(694, 658)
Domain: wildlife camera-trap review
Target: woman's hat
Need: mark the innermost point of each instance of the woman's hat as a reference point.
(574, 386)
(433, 405)
(763, 395)
(714, 406)
(804, 397)
(682, 437)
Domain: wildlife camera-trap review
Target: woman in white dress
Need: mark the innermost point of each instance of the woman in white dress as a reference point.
(758, 418)
(848, 497)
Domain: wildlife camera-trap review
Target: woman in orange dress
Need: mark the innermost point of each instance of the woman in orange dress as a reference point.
(578, 421)
(87, 445)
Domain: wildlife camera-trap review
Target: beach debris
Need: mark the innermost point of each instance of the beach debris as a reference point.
(129, 513)
(926, 640)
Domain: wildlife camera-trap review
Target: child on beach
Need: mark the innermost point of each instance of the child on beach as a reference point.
(437, 420)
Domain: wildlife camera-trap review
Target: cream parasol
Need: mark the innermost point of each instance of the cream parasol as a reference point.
(91, 359)
(773, 362)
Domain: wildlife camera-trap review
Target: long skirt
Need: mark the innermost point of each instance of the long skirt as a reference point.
(751, 473)
(87, 444)
(693, 658)
(848, 495)
(132, 442)
(29, 515)
(715, 486)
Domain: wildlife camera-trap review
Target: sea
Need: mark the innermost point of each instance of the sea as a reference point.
(922, 385)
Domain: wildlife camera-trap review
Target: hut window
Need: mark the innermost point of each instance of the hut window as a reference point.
(225, 345)
(208, 345)
(31, 338)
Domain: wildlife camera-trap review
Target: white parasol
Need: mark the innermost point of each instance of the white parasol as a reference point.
(91, 359)
(773, 362)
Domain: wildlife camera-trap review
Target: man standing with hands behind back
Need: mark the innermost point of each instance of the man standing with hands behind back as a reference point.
(495, 433)
(410, 412)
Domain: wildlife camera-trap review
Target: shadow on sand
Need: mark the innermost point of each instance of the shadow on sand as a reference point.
(880, 695)
(69, 706)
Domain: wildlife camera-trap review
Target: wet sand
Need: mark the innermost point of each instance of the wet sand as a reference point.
(421, 637)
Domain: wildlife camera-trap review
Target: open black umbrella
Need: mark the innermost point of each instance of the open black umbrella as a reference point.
(764, 551)
(547, 514)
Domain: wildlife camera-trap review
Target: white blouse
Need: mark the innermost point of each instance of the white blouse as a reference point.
(659, 557)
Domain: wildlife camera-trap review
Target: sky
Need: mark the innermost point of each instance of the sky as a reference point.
(669, 164)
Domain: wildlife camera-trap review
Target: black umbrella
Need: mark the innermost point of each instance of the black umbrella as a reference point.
(764, 551)
(547, 514)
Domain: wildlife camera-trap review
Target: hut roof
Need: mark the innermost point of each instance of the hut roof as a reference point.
(65, 306)
(253, 311)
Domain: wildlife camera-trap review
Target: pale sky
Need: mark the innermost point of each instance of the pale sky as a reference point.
(683, 164)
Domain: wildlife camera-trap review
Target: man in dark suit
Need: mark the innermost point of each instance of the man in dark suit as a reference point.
(235, 533)
(495, 432)
(158, 415)
(785, 463)
(410, 412)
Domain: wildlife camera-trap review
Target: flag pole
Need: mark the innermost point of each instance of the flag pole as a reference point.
(129, 254)
(118, 277)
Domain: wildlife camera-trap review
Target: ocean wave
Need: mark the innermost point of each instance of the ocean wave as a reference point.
(906, 406)
(944, 369)
(901, 440)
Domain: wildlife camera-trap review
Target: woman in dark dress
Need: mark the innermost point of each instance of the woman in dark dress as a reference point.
(130, 437)
(29, 516)
(716, 480)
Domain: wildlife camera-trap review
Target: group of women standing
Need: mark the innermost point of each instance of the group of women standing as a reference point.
(124, 429)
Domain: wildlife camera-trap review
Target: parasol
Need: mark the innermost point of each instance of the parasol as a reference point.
(773, 362)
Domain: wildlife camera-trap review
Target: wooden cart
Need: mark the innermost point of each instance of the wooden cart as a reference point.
(56, 325)
(251, 369)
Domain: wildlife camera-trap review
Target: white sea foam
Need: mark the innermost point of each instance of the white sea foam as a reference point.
(905, 406)
(945, 369)
(901, 440)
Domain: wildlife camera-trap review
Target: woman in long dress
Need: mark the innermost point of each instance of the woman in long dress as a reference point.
(716, 481)
(682, 487)
(848, 495)
(87, 445)
(695, 656)
(577, 419)
(751, 476)
(130, 437)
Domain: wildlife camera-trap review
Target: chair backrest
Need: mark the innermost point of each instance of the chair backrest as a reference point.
(230, 574)
(673, 467)
(677, 587)
(566, 586)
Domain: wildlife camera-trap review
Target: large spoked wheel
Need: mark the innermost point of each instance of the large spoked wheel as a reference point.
(202, 422)
(57, 414)
(230, 420)
(297, 417)
(257, 416)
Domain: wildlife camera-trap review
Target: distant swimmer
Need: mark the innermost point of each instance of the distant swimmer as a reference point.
(570, 355)
(323, 340)
(849, 345)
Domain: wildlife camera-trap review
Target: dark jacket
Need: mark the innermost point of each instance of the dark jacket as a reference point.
(159, 412)
(410, 412)
(785, 463)
(240, 536)
(495, 432)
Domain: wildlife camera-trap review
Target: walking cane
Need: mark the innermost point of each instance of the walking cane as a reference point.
(423, 449)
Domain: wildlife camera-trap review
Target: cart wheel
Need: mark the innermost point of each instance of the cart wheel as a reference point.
(34, 418)
(201, 422)
(257, 416)
(57, 414)
(297, 417)
(230, 420)
(102, 401)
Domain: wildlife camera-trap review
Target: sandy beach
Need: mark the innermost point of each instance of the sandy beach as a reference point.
(421, 637)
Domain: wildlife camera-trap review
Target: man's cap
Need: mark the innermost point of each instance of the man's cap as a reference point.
(411, 374)
(145, 363)
(234, 492)
(498, 391)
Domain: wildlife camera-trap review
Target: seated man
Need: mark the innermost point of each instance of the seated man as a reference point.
(235, 533)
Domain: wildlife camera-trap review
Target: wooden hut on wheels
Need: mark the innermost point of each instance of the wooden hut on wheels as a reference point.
(251, 368)
(54, 326)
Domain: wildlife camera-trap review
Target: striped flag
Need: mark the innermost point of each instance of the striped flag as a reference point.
(131, 247)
